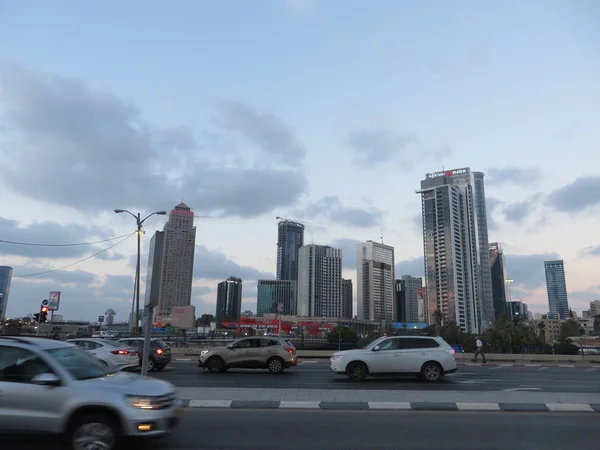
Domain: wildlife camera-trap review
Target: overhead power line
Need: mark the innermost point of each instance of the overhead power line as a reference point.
(76, 262)
(2, 241)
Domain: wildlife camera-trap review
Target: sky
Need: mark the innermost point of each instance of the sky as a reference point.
(328, 112)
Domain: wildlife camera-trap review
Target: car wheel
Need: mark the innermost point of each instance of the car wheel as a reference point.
(95, 431)
(357, 371)
(215, 365)
(431, 371)
(151, 365)
(275, 365)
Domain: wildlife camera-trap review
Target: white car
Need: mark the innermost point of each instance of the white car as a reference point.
(428, 357)
(114, 355)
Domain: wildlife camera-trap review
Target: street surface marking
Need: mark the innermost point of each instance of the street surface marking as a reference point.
(566, 365)
(478, 406)
(183, 359)
(501, 367)
(288, 404)
(532, 365)
(308, 362)
(210, 403)
(389, 405)
(542, 368)
(590, 370)
(522, 389)
(570, 407)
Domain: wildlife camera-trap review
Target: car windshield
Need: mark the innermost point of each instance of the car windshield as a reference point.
(375, 342)
(79, 364)
(160, 343)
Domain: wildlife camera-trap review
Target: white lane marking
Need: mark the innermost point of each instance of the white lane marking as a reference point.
(478, 406)
(500, 367)
(566, 365)
(522, 389)
(389, 405)
(590, 370)
(476, 381)
(288, 404)
(570, 407)
(182, 359)
(532, 365)
(542, 368)
(472, 364)
(210, 403)
(308, 362)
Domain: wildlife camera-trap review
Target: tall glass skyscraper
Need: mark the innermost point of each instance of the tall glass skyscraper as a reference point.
(290, 237)
(556, 286)
(271, 293)
(375, 275)
(5, 279)
(499, 279)
(455, 242)
(229, 301)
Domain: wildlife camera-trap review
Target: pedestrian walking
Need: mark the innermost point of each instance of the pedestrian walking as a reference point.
(478, 350)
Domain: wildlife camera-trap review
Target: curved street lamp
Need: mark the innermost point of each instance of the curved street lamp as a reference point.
(139, 223)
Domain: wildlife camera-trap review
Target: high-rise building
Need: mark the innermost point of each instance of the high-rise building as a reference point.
(455, 242)
(271, 293)
(556, 287)
(5, 280)
(229, 301)
(154, 269)
(499, 279)
(290, 237)
(177, 265)
(319, 281)
(347, 299)
(375, 276)
(408, 291)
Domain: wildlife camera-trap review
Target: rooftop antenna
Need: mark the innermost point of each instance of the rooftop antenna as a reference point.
(381, 229)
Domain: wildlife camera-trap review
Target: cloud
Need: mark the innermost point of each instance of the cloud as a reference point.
(520, 176)
(348, 247)
(491, 204)
(62, 277)
(331, 208)
(63, 124)
(53, 233)
(413, 266)
(527, 271)
(577, 196)
(590, 251)
(517, 212)
(211, 264)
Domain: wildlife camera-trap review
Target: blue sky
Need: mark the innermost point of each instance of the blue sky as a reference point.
(326, 111)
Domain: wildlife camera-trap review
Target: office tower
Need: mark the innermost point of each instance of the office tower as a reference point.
(347, 299)
(319, 281)
(271, 293)
(5, 280)
(499, 279)
(154, 269)
(290, 237)
(375, 281)
(408, 290)
(458, 280)
(177, 266)
(556, 286)
(229, 301)
(516, 309)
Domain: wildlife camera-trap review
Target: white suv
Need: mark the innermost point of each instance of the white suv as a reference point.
(53, 387)
(428, 357)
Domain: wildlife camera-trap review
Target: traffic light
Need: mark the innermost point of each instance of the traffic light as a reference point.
(44, 314)
(36, 317)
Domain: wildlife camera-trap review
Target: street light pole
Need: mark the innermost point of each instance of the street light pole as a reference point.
(139, 223)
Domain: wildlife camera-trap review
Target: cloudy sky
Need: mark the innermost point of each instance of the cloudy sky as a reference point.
(329, 112)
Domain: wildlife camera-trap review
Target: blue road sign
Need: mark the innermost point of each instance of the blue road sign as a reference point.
(44, 302)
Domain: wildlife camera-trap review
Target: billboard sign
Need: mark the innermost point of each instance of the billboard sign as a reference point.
(447, 173)
(54, 301)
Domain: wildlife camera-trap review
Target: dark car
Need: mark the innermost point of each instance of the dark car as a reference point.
(160, 352)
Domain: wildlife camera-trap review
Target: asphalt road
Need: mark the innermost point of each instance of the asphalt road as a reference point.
(318, 376)
(369, 430)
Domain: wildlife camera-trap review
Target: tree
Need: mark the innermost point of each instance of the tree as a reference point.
(542, 332)
(342, 334)
(568, 329)
(437, 320)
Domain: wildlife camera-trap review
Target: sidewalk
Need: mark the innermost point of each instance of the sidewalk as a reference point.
(389, 400)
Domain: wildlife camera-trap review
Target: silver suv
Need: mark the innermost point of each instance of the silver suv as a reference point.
(55, 388)
(273, 353)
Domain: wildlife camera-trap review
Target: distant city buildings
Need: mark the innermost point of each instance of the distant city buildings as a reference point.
(5, 280)
(499, 279)
(229, 301)
(271, 293)
(375, 281)
(319, 281)
(290, 237)
(347, 299)
(517, 309)
(556, 287)
(456, 249)
(408, 292)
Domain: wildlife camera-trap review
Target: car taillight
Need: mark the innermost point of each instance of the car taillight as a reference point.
(290, 350)
(120, 352)
(159, 351)
(451, 351)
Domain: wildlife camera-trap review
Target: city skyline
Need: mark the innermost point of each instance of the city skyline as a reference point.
(242, 144)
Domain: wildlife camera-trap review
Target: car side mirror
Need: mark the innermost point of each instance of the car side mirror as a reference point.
(376, 348)
(46, 379)
(230, 347)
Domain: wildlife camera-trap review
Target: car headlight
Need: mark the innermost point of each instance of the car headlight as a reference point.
(335, 357)
(142, 402)
(204, 352)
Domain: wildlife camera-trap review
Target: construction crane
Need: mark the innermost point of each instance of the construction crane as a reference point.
(292, 220)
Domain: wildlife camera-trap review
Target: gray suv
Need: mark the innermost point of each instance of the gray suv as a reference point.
(53, 387)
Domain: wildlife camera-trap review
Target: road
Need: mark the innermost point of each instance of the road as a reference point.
(318, 376)
(356, 430)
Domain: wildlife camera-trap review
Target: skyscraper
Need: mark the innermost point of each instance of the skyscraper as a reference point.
(154, 270)
(556, 286)
(5, 280)
(229, 301)
(408, 291)
(499, 277)
(271, 293)
(290, 237)
(177, 266)
(375, 281)
(319, 281)
(455, 242)
(347, 299)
